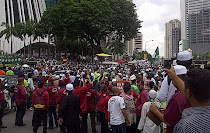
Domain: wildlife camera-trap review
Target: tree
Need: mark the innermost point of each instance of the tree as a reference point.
(92, 20)
(19, 32)
(38, 34)
(8, 32)
(29, 30)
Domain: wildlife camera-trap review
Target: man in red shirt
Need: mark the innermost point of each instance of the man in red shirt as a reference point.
(1, 102)
(142, 98)
(101, 109)
(91, 96)
(62, 93)
(52, 91)
(104, 103)
(40, 102)
(20, 100)
(82, 92)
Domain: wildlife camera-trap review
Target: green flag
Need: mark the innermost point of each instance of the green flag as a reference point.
(156, 54)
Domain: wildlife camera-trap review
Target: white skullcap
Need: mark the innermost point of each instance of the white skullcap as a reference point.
(57, 77)
(174, 63)
(69, 87)
(184, 56)
(114, 80)
(152, 94)
(179, 69)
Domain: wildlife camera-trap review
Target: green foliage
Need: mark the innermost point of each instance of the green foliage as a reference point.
(140, 56)
(91, 20)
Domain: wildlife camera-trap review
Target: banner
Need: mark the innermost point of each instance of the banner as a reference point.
(10, 60)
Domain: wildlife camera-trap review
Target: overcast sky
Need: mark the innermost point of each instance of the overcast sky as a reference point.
(154, 14)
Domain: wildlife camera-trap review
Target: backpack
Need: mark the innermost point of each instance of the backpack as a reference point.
(39, 100)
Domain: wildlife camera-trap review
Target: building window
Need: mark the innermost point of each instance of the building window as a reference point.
(6, 12)
(34, 12)
(25, 10)
(16, 12)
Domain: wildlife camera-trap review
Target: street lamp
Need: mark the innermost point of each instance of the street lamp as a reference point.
(146, 43)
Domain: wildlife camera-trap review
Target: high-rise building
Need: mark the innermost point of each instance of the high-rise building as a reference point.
(50, 3)
(172, 38)
(138, 42)
(195, 19)
(14, 11)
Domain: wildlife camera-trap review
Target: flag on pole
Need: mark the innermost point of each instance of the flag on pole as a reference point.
(156, 54)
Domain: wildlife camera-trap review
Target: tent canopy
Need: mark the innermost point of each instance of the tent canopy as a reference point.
(103, 55)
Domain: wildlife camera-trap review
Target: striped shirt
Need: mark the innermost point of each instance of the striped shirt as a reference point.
(194, 120)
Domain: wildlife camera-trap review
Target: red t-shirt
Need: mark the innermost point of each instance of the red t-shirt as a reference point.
(1, 95)
(174, 109)
(44, 87)
(46, 96)
(81, 92)
(101, 96)
(142, 98)
(62, 93)
(104, 103)
(91, 99)
(53, 93)
(20, 95)
(67, 81)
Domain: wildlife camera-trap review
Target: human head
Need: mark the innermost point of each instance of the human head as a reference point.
(40, 84)
(69, 87)
(197, 85)
(103, 86)
(127, 89)
(152, 94)
(140, 85)
(115, 91)
(184, 58)
(20, 80)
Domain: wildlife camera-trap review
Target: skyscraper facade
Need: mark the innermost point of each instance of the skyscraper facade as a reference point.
(195, 16)
(14, 11)
(50, 3)
(138, 42)
(172, 38)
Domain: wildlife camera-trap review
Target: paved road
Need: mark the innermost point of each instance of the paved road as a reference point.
(9, 121)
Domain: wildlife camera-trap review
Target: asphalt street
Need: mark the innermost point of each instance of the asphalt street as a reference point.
(9, 121)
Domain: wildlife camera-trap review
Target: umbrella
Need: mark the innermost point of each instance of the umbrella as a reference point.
(103, 55)
(121, 60)
(25, 65)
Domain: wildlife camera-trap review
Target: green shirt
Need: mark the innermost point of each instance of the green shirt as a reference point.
(135, 88)
(9, 72)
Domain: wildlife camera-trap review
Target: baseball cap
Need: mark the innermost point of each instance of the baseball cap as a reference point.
(69, 87)
(179, 69)
(184, 56)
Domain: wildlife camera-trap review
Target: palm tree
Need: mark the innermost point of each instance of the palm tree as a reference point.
(30, 25)
(8, 32)
(19, 32)
(38, 33)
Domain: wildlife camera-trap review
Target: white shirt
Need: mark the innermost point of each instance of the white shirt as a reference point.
(166, 91)
(115, 106)
(145, 124)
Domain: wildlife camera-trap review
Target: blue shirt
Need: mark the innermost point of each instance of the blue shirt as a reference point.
(194, 120)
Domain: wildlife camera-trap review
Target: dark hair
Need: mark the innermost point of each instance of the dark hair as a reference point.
(187, 63)
(40, 84)
(76, 82)
(140, 81)
(29, 75)
(133, 81)
(126, 88)
(198, 82)
(151, 84)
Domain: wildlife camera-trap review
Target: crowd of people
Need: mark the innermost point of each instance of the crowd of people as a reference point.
(121, 99)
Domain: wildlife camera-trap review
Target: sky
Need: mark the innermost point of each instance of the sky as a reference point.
(154, 14)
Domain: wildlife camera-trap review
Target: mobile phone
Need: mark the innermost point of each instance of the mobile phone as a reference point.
(167, 64)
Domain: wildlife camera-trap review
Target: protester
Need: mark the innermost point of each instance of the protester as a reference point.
(2, 103)
(142, 98)
(130, 108)
(146, 125)
(9, 72)
(176, 105)
(31, 89)
(52, 91)
(70, 111)
(196, 90)
(117, 113)
(40, 102)
(20, 100)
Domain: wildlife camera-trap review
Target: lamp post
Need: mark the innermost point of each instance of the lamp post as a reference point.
(146, 43)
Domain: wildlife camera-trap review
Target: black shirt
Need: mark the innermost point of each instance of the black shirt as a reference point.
(70, 108)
